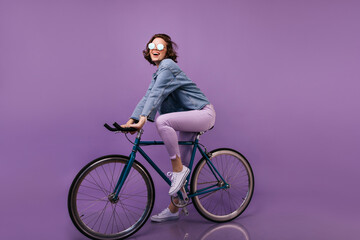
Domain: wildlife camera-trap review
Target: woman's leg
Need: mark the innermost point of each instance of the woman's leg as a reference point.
(188, 123)
(186, 150)
(185, 153)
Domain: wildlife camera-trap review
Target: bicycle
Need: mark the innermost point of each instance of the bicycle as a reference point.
(113, 196)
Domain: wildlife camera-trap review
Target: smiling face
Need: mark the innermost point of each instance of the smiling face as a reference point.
(156, 55)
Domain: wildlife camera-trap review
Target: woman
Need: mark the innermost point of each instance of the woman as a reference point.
(182, 107)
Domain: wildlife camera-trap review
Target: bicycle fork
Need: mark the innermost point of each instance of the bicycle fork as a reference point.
(114, 196)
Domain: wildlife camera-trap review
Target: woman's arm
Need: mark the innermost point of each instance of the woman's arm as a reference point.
(160, 89)
(135, 116)
(164, 85)
(140, 106)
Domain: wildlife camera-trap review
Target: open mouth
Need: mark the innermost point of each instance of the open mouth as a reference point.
(156, 54)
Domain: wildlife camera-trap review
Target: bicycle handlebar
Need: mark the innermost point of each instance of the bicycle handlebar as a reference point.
(117, 128)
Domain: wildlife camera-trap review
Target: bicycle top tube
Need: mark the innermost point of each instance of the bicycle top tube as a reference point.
(144, 143)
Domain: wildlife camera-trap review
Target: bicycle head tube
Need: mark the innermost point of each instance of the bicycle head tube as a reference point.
(140, 132)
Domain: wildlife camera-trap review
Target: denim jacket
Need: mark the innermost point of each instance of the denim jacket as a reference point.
(169, 91)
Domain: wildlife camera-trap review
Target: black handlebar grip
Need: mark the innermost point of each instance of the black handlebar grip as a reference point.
(110, 128)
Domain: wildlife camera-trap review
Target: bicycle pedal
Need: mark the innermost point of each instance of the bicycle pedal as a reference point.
(185, 211)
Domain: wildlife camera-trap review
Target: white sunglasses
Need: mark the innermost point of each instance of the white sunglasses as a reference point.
(158, 47)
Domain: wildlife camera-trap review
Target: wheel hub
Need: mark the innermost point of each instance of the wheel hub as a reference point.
(113, 199)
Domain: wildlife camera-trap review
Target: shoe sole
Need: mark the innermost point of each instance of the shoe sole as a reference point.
(165, 219)
(182, 182)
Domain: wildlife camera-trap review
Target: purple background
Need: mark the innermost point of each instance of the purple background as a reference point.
(282, 75)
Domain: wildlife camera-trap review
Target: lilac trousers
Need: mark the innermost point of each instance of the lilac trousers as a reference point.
(188, 124)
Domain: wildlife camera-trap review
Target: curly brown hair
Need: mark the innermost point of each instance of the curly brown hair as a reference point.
(170, 48)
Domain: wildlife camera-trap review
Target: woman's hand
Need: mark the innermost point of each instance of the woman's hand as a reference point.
(139, 125)
(128, 124)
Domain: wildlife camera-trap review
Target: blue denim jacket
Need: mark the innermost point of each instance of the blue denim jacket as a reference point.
(169, 91)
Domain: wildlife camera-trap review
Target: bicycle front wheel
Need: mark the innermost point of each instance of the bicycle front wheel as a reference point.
(227, 203)
(89, 203)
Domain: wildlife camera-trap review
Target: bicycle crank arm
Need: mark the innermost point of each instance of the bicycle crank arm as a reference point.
(184, 194)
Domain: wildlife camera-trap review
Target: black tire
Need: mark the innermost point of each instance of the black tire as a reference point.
(94, 214)
(225, 204)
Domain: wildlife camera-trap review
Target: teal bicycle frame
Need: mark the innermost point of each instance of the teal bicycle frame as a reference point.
(136, 148)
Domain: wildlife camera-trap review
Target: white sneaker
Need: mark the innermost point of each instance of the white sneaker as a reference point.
(165, 215)
(177, 180)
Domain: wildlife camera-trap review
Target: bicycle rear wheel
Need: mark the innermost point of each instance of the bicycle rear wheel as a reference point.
(94, 214)
(228, 203)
